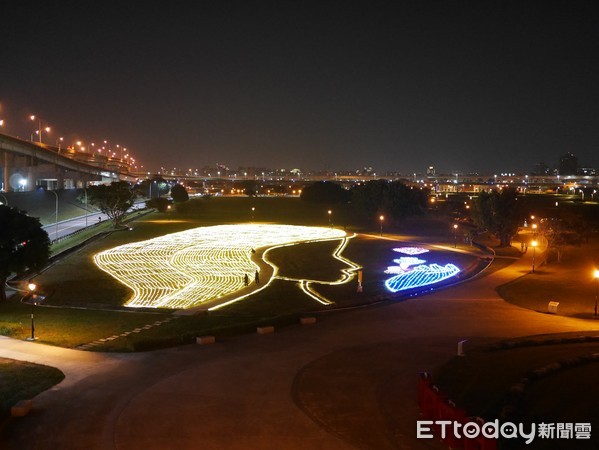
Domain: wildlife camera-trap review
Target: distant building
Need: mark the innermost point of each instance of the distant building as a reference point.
(541, 169)
(590, 171)
(430, 171)
(568, 164)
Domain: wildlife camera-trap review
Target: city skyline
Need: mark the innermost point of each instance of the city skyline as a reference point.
(328, 85)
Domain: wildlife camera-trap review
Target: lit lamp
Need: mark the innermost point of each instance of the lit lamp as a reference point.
(596, 275)
(534, 228)
(31, 287)
(534, 248)
(253, 210)
(455, 235)
(330, 212)
(381, 218)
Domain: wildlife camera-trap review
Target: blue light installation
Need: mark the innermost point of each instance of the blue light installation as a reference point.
(410, 273)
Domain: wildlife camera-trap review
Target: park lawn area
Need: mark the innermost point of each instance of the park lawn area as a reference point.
(70, 327)
(286, 210)
(22, 381)
(570, 283)
(75, 281)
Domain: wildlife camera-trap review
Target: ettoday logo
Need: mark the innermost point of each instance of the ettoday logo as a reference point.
(506, 430)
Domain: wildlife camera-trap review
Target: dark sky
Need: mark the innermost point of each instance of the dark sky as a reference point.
(485, 86)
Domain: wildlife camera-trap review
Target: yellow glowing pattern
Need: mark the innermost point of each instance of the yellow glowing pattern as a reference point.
(185, 269)
(346, 275)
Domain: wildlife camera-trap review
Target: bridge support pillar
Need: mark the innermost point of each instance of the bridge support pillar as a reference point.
(8, 163)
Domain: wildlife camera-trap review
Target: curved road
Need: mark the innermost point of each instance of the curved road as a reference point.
(348, 381)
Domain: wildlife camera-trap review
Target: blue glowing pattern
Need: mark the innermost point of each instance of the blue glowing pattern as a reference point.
(410, 250)
(410, 272)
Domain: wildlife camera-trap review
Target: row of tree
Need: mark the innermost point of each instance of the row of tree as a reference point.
(394, 200)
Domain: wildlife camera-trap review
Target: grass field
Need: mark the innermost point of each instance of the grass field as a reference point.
(85, 304)
(22, 381)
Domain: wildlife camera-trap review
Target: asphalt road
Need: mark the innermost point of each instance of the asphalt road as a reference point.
(66, 227)
(348, 381)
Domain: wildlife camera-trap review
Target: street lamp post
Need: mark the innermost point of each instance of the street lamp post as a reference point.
(534, 250)
(86, 209)
(31, 287)
(56, 216)
(253, 211)
(455, 235)
(596, 275)
(330, 212)
(39, 126)
(381, 218)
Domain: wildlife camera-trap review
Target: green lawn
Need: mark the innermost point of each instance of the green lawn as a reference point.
(570, 283)
(75, 281)
(23, 381)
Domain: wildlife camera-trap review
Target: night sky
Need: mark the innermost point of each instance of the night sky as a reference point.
(480, 86)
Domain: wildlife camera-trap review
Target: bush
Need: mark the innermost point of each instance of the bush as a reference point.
(179, 194)
(10, 328)
(160, 204)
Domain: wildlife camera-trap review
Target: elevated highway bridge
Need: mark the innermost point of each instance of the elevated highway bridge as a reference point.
(26, 165)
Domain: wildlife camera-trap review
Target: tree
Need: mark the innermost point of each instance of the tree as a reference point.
(23, 244)
(250, 187)
(393, 199)
(114, 200)
(325, 192)
(160, 204)
(179, 193)
(153, 188)
(498, 212)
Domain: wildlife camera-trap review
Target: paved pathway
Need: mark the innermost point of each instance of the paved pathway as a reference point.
(347, 381)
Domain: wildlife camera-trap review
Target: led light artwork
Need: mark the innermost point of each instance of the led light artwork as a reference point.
(411, 272)
(347, 275)
(403, 264)
(410, 250)
(422, 275)
(184, 269)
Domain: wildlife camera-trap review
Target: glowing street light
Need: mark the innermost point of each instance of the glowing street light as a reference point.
(31, 287)
(329, 213)
(534, 249)
(596, 275)
(59, 143)
(39, 127)
(253, 211)
(455, 235)
(381, 218)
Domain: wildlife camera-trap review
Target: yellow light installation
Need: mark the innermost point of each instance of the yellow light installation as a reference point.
(347, 274)
(185, 269)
